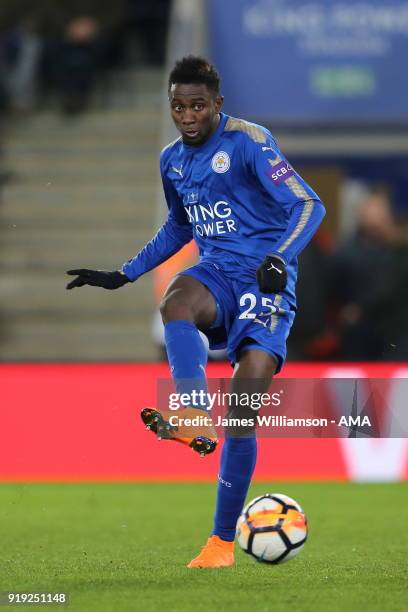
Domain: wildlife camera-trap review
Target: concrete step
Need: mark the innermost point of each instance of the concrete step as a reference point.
(92, 128)
(145, 79)
(64, 238)
(58, 252)
(53, 193)
(96, 148)
(84, 196)
(64, 306)
(17, 262)
(41, 296)
(138, 138)
(65, 171)
(136, 87)
(57, 199)
(40, 320)
(68, 220)
(68, 210)
(50, 341)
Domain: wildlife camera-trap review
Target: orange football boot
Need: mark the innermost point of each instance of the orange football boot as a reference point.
(201, 437)
(216, 553)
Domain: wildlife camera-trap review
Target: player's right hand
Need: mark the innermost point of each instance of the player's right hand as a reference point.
(97, 278)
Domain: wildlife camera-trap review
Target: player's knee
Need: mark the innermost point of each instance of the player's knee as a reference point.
(174, 307)
(256, 364)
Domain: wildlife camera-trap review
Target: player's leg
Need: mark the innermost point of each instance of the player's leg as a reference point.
(258, 347)
(186, 307)
(253, 374)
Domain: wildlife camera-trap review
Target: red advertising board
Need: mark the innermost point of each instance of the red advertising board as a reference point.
(78, 422)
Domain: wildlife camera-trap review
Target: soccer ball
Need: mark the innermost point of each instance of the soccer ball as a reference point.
(272, 528)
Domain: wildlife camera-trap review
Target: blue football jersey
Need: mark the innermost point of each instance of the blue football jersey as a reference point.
(240, 200)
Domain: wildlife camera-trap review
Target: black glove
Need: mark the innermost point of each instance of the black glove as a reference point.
(271, 275)
(97, 278)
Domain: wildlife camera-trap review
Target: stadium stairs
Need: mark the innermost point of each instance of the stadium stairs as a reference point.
(84, 195)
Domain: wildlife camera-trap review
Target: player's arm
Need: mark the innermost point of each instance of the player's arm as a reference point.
(302, 207)
(171, 237)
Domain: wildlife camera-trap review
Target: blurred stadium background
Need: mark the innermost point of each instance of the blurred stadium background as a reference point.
(83, 117)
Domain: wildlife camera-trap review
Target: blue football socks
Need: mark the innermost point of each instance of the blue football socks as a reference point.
(238, 461)
(187, 357)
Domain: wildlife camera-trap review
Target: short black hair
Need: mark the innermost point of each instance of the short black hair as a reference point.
(195, 69)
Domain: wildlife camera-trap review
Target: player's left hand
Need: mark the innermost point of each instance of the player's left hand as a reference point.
(271, 275)
(97, 278)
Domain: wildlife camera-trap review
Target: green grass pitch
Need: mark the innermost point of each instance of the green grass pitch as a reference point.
(119, 547)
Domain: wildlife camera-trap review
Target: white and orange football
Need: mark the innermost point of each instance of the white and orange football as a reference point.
(272, 528)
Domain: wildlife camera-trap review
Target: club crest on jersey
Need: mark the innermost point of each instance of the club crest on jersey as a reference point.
(221, 162)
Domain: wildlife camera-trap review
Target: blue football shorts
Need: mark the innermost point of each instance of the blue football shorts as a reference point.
(244, 313)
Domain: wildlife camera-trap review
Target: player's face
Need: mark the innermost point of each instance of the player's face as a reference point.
(195, 111)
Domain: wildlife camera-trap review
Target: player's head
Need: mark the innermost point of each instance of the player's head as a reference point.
(195, 100)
